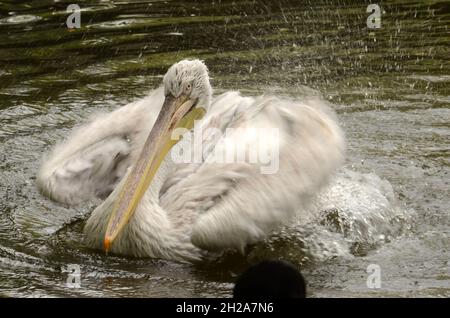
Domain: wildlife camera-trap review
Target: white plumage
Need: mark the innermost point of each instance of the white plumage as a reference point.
(191, 210)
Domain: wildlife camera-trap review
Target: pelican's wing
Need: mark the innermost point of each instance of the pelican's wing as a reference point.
(232, 204)
(96, 155)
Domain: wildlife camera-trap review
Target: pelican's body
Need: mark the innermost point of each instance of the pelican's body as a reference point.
(187, 210)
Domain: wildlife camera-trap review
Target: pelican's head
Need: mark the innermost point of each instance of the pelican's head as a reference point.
(187, 97)
(189, 79)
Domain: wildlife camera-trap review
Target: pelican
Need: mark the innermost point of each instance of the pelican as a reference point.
(156, 206)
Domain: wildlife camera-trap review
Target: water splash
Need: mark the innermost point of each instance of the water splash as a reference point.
(355, 214)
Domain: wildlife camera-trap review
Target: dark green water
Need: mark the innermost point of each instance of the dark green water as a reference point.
(390, 88)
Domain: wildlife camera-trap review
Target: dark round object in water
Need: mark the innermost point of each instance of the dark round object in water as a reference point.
(270, 279)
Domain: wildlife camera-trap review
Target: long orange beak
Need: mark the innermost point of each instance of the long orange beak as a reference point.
(175, 112)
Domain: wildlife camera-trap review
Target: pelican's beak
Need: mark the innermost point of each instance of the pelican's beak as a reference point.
(176, 112)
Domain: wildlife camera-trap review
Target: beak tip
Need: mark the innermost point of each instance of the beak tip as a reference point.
(106, 244)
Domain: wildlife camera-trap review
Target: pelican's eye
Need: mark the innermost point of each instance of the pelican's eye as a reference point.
(188, 89)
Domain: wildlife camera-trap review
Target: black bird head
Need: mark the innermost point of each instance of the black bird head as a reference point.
(270, 279)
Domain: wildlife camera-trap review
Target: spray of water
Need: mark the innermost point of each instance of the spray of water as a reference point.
(354, 215)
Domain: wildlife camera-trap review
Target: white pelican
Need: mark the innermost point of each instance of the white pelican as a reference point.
(156, 207)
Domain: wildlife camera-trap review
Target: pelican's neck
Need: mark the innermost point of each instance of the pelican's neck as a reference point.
(149, 232)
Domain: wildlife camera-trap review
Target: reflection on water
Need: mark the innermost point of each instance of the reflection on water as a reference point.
(390, 87)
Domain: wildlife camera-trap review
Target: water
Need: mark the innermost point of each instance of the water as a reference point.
(390, 87)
